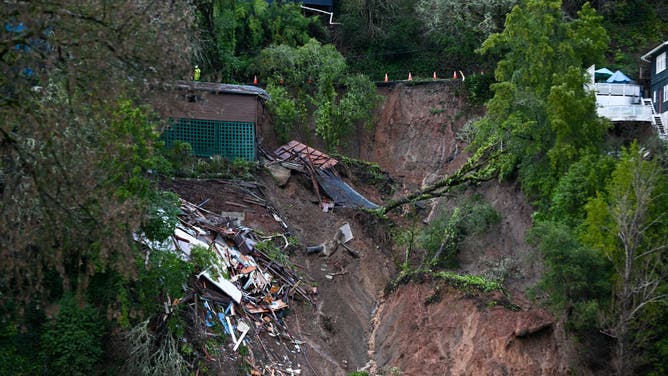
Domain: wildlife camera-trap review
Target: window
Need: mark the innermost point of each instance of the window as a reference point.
(665, 93)
(661, 62)
(654, 97)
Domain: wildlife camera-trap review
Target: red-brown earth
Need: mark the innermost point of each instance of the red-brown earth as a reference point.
(419, 328)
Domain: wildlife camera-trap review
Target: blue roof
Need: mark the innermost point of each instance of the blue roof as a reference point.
(604, 71)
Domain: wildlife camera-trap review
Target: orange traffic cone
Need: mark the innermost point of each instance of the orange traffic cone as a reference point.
(435, 78)
(454, 75)
(386, 79)
(410, 76)
(255, 80)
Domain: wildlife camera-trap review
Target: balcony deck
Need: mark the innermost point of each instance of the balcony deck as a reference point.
(621, 102)
(632, 112)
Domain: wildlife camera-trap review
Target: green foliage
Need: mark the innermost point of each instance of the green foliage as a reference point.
(202, 258)
(635, 27)
(72, 342)
(576, 277)
(161, 218)
(179, 156)
(283, 110)
(269, 248)
(311, 74)
(136, 141)
(358, 373)
(19, 352)
(626, 224)
(151, 356)
(358, 102)
(397, 37)
(234, 33)
(632, 194)
(469, 283)
(163, 276)
(479, 215)
(443, 237)
(540, 114)
(184, 164)
(478, 88)
(406, 238)
(583, 179)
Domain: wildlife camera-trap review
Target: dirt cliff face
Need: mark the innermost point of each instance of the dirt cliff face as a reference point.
(425, 328)
(460, 335)
(414, 133)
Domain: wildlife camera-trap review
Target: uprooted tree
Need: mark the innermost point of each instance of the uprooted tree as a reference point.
(478, 168)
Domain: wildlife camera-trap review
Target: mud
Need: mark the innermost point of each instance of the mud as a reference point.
(356, 324)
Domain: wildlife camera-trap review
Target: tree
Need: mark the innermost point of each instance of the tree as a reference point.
(234, 32)
(461, 26)
(628, 224)
(541, 114)
(77, 146)
(311, 74)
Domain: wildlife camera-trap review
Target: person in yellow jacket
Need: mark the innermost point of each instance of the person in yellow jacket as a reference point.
(197, 73)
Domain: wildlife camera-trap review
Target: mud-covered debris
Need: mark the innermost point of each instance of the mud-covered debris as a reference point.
(343, 235)
(242, 291)
(295, 151)
(319, 167)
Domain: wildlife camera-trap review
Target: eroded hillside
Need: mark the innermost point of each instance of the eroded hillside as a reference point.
(425, 327)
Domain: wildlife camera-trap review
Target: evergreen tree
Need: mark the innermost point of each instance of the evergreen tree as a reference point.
(541, 115)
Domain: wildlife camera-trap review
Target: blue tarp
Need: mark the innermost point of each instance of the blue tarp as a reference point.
(342, 194)
(619, 78)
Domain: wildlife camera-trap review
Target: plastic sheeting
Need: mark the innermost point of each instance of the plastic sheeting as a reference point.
(343, 194)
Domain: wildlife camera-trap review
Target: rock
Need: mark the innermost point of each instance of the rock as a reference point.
(280, 174)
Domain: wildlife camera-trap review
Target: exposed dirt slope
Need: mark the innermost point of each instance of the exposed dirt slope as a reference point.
(354, 325)
(461, 335)
(414, 136)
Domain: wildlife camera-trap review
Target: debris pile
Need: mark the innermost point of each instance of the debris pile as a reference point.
(320, 168)
(247, 288)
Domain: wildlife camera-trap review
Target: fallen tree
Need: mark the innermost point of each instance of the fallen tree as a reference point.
(478, 168)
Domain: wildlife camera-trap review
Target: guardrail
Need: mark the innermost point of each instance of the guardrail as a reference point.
(626, 113)
(617, 89)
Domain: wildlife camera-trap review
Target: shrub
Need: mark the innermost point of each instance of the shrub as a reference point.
(72, 342)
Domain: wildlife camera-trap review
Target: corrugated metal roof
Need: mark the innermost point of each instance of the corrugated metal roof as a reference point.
(342, 193)
(223, 88)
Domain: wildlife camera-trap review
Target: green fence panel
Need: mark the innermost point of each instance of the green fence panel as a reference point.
(229, 139)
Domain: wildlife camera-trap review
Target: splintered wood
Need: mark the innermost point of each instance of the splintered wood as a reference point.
(244, 291)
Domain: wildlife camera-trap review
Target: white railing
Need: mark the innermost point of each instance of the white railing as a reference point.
(617, 89)
(626, 113)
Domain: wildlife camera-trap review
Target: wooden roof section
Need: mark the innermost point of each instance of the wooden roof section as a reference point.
(295, 150)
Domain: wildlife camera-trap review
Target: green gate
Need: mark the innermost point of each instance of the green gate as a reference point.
(229, 139)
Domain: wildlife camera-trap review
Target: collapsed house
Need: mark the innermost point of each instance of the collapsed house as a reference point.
(244, 292)
(320, 168)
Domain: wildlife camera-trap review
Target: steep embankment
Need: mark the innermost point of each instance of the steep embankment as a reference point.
(427, 329)
(414, 134)
(414, 329)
